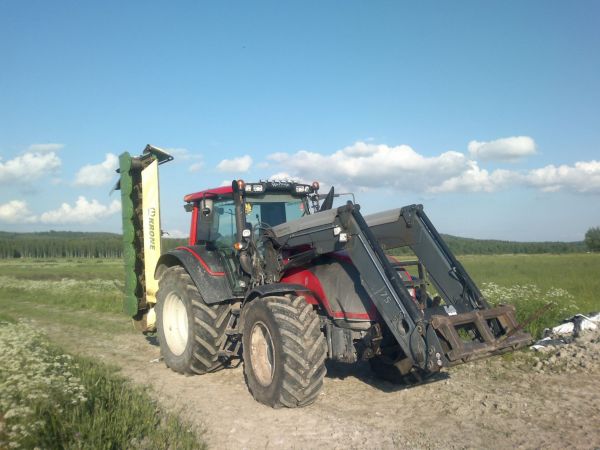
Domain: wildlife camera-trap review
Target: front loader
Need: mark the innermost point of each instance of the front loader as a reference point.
(275, 277)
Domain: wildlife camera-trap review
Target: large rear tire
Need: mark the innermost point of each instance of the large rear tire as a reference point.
(190, 331)
(284, 351)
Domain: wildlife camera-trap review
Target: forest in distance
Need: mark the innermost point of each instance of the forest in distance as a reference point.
(68, 244)
(71, 244)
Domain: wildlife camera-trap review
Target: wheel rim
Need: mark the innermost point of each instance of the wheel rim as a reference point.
(261, 353)
(175, 323)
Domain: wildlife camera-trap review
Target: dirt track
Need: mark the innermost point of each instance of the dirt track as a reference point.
(488, 404)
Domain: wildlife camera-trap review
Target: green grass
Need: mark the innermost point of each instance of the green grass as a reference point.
(118, 415)
(79, 296)
(94, 285)
(58, 269)
(55, 401)
(576, 274)
(63, 315)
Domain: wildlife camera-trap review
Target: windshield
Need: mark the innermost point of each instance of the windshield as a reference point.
(267, 210)
(272, 209)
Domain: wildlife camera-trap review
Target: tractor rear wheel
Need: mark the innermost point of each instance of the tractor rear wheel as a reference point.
(190, 331)
(284, 351)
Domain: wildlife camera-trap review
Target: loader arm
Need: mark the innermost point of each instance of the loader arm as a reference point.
(428, 341)
(344, 228)
(410, 226)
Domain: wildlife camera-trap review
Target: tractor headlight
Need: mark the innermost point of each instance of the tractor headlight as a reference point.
(255, 188)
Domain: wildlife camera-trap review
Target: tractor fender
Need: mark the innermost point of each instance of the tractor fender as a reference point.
(209, 279)
(337, 287)
(273, 289)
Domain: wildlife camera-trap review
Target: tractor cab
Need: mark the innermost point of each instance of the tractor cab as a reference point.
(265, 204)
(224, 219)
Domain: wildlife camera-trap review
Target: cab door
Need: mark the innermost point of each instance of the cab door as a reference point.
(217, 230)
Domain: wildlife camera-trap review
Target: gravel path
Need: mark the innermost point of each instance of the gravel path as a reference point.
(527, 400)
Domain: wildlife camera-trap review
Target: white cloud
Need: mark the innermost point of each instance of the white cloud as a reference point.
(583, 176)
(475, 179)
(44, 148)
(183, 154)
(196, 167)
(236, 165)
(367, 165)
(16, 211)
(98, 174)
(284, 176)
(364, 166)
(28, 166)
(82, 212)
(179, 153)
(508, 149)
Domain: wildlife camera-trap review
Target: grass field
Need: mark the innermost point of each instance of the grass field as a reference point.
(87, 294)
(569, 282)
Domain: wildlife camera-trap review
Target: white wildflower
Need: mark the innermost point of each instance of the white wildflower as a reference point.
(31, 373)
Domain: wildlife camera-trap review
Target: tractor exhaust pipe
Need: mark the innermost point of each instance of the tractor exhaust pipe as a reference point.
(240, 223)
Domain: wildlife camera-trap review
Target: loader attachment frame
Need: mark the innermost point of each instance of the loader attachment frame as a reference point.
(486, 344)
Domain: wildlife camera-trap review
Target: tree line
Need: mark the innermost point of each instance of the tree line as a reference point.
(468, 246)
(71, 244)
(67, 244)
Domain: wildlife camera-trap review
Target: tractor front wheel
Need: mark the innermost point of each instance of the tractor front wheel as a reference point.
(190, 331)
(284, 351)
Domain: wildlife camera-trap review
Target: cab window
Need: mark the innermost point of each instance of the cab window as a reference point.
(273, 210)
(219, 228)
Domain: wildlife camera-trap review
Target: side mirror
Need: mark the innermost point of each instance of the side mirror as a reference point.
(206, 207)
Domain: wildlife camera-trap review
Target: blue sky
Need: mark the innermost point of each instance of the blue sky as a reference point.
(485, 112)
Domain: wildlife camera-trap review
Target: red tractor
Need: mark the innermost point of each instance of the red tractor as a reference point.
(276, 276)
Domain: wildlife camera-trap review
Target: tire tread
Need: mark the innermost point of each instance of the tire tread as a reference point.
(209, 323)
(304, 350)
